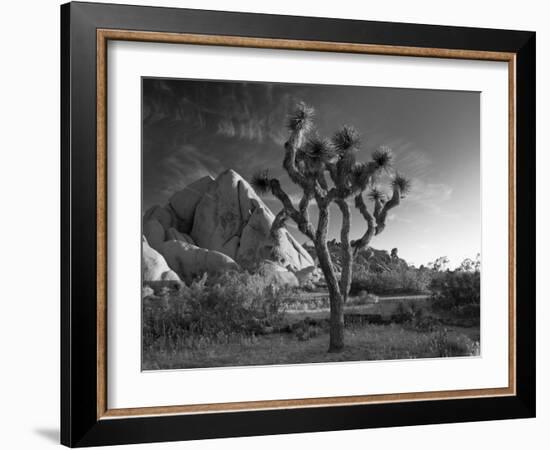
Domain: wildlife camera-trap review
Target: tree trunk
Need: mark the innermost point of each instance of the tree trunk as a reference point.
(336, 300)
(346, 251)
(347, 269)
(336, 343)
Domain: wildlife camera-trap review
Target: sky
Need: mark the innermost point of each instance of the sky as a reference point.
(193, 128)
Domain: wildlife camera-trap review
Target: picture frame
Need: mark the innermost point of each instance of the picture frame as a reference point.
(86, 418)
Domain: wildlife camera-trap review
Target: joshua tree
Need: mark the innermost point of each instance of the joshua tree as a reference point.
(327, 172)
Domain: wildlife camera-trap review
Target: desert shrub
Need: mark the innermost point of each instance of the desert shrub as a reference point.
(308, 328)
(457, 292)
(399, 280)
(407, 312)
(445, 345)
(232, 304)
(415, 317)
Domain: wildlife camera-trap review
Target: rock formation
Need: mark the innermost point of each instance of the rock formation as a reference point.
(190, 261)
(163, 214)
(184, 203)
(276, 275)
(174, 235)
(309, 276)
(232, 219)
(154, 232)
(154, 266)
(216, 225)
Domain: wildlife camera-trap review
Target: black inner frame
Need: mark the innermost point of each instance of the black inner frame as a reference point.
(79, 424)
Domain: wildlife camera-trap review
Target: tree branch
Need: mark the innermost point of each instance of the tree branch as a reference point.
(332, 172)
(381, 212)
(321, 179)
(278, 223)
(366, 172)
(302, 221)
(304, 204)
(362, 243)
(289, 162)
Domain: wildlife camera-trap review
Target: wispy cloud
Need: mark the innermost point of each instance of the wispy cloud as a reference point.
(252, 112)
(411, 160)
(432, 197)
(183, 166)
(226, 128)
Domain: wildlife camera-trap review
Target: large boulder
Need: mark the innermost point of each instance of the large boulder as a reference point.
(184, 202)
(154, 233)
(154, 267)
(163, 214)
(190, 261)
(230, 218)
(224, 216)
(218, 220)
(147, 291)
(309, 276)
(255, 243)
(174, 235)
(276, 275)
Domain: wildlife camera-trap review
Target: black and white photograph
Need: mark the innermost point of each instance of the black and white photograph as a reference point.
(275, 225)
(289, 223)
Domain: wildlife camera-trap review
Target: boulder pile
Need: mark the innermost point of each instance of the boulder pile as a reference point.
(215, 225)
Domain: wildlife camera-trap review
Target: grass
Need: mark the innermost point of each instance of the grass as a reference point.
(319, 299)
(238, 319)
(363, 343)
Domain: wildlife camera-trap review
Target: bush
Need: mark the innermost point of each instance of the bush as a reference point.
(457, 292)
(400, 280)
(407, 312)
(444, 345)
(414, 317)
(232, 304)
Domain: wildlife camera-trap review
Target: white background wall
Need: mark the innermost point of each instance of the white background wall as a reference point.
(29, 177)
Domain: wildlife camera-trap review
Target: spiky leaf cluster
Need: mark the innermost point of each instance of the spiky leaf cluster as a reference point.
(359, 176)
(320, 149)
(260, 182)
(302, 118)
(345, 168)
(346, 139)
(383, 157)
(376, 194)
(403, 183)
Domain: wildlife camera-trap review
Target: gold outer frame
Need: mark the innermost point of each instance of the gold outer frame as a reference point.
(104, 35)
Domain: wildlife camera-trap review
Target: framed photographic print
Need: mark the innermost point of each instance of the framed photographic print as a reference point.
(276, 224)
